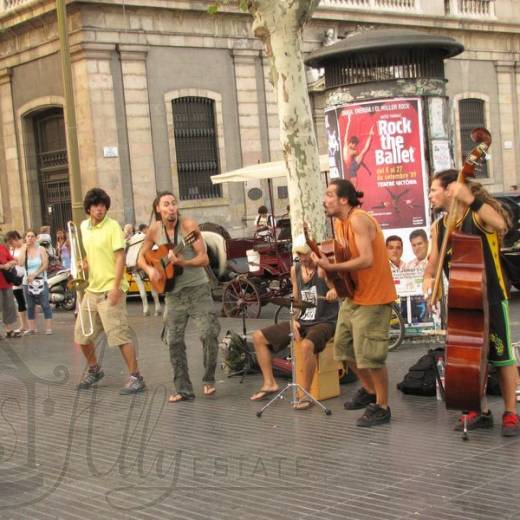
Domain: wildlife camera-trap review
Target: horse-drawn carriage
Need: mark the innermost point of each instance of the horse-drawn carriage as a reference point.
(265, 274)
(259, 267)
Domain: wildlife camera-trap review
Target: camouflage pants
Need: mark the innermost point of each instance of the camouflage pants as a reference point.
(195, 303)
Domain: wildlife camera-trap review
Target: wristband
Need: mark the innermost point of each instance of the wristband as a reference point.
(476, 204)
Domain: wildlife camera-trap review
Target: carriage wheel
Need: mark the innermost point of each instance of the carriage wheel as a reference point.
(241, 295)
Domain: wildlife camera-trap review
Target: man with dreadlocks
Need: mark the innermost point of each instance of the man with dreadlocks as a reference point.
(482, 216)
(190, 296)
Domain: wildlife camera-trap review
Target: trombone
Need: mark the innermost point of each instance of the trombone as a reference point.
(79, 280)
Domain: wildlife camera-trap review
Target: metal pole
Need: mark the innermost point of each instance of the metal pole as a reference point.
(70, 115)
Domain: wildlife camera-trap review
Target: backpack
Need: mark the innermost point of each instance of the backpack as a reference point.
(237, 353)
(421, 377)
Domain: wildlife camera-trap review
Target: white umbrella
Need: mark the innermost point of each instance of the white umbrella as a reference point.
(270, 170)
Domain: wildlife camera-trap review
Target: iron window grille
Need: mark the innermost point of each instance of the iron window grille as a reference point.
(196, 147)
(472, 115)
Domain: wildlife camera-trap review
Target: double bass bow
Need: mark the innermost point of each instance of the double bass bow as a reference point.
(467, 341)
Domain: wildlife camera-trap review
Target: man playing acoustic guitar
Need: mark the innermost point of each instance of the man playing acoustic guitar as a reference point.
(361, 337)
(187, 295)
(482, 216)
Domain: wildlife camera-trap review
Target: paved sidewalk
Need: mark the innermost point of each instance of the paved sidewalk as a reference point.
(98, 455)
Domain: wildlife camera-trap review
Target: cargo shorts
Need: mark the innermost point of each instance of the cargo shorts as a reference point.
(362, 334)
(112, 319)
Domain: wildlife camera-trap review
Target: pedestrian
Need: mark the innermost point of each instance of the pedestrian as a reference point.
(35, 288)
(7, 302)
(63, 248)
(15, 243)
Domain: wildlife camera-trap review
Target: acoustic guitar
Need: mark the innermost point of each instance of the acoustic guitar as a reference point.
(336, 254)
(158, 258)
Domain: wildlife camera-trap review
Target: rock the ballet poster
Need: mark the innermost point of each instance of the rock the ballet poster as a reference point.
(382, 153)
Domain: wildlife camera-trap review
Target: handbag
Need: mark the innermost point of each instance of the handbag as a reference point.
(14, 275)
(36, 287)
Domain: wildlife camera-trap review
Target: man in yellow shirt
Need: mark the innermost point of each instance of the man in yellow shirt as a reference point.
(104, 246)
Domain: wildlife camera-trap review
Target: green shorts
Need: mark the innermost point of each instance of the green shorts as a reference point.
(362, 334)
(500, 347)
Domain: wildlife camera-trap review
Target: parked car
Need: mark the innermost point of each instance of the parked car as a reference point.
(511, 202)
(511, 244)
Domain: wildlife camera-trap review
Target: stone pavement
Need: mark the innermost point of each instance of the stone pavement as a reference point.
(98, 455)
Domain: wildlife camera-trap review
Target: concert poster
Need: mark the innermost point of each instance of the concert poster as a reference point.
(382, 153)
(333, 145)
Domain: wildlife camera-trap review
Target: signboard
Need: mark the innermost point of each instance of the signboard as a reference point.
(381, 152)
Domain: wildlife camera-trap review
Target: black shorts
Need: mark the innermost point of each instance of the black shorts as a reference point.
(20, 299)
(278, 338)
(500, 348)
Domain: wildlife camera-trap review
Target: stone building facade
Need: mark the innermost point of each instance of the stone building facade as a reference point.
(167, 95)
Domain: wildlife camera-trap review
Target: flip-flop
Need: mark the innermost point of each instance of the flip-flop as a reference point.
(303, 405)
(177, 398)
(263, 394)
(208, 390)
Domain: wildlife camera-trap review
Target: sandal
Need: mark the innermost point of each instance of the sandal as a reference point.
(177, 398)
(263, 394)
(14, 333)
(303, 405)
(208, 390)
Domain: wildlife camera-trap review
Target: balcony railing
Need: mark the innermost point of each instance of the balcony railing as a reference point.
(463, 8)
(52, 160)
(385, 5)
(7, 5)
(471, 8)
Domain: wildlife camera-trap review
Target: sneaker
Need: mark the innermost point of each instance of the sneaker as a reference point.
(48, 332)
(146, 313)
(91, 379)
(361, 400)
(133, 386)
(474, 421)
(374, 415)
(510, 424)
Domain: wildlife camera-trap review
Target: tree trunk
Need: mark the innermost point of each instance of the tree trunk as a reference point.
(279, 24)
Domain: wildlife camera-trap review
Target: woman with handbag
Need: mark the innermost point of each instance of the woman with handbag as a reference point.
(7, 303)
(15, 243)
(35, 288)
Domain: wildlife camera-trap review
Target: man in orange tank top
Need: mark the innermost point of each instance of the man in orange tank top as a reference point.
(361, 337)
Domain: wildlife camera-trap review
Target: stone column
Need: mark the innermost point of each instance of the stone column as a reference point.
(139, 128)
(96, 121)
(249, 121)
(508, 131)
(12, 210)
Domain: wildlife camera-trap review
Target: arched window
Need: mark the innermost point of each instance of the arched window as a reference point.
(472, 114)
(196, 147)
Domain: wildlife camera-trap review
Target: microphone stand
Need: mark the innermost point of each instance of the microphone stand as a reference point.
(293, 385)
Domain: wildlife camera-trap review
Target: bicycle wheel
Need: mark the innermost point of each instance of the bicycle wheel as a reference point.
(282, 314)
(396, 333)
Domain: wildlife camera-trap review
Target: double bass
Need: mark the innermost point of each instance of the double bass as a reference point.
(467, 341)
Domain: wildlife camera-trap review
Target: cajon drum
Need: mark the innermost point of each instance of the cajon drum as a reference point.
(325, 383)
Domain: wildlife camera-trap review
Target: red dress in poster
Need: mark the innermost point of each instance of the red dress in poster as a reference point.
(382, 151)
